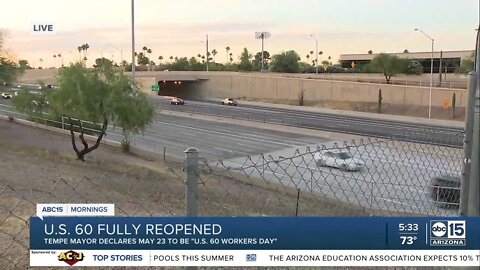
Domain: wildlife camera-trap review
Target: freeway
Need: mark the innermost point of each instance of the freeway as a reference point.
(397, 175)
(213, 140)
(426, 133)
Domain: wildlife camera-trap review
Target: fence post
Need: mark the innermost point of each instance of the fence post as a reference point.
(191, 187)
(164, 152)
(468, 181)
(63, 126)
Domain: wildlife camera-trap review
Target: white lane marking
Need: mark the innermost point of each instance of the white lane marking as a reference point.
(244, 136)
(186, 133)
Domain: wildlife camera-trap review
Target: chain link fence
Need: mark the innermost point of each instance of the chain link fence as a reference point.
(370, 177)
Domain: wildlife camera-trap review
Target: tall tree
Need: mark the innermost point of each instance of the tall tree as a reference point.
(23, 65)
(387, 64)
(8, 70)
(245, 61)
(257, 60)
(285, 62)
(103, 96)
(227, 49)
(214, 52)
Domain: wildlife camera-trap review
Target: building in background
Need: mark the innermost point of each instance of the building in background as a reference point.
(450, 59)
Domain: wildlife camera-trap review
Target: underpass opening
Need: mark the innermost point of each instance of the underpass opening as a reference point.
(185, 89)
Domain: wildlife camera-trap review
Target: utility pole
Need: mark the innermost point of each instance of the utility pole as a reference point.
(133, 43)
(207, 54)
(316, 53)
(440, 67)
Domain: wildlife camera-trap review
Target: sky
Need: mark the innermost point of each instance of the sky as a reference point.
(177, 28)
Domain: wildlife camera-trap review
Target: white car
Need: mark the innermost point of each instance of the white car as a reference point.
(338, 159)
(177, 101)
(229, 101)
(6, 96)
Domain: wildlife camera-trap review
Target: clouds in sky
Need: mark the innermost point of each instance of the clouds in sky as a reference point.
(175, 28)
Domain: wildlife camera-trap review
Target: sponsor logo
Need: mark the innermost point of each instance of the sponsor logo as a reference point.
(251, 258)
(448, 232)
(71, 257)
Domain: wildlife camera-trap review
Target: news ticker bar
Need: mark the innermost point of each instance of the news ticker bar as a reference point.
(254, 233)
(226, 258)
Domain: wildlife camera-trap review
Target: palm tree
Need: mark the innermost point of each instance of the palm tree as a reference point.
(79, 48)
(171, 57)
(227, 49)
(160, 58)
(86, 48)
(231, 59)
(214, 52)
(61, 59)
(199, 55)
(308, 56)
(329, 58)
(54, 60)
(405, 51)
(370, 52)
(149, 51)
(144, 48)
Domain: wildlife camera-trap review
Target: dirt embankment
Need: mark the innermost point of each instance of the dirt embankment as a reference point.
(371, 107)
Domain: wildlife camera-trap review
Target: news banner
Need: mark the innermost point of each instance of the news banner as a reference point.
(90, 235)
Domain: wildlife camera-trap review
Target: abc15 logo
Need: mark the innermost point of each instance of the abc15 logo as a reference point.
(451, 229)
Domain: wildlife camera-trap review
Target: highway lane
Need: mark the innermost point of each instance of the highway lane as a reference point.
(397, 176)
(213, 140)
(426, 133)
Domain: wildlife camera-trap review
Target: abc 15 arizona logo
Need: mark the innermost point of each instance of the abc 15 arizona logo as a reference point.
(448, 233)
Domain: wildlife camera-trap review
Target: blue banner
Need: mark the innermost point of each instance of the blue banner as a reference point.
(254, 233)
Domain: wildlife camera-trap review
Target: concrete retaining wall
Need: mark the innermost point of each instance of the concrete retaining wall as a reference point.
(281, 89)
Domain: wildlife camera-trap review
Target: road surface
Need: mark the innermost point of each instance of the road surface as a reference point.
(443, 135)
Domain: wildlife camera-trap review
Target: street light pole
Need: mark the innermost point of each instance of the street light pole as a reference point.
(431, 74)
(207, 52)
(133, 42)
(316, 53)
(262, 35)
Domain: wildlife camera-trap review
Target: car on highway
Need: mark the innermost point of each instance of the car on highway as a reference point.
(445, 191)
(340, 159)
(6, 96)
(229, 101)
(177, 101)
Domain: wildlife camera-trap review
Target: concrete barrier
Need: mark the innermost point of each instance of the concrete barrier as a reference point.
(280, 88)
